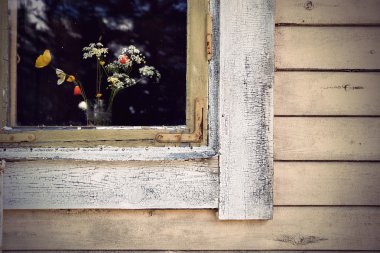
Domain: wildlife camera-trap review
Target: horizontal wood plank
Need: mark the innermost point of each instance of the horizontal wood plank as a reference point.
(328, 12)
(299, 138)
(30, 185)
(327, 48)
(292, 228)
(82, 137)
(327, 93)
(133, 185)
(327, 183)
(107, 153)
(175, 251)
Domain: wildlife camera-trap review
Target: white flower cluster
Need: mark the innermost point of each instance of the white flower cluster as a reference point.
(150, 71)
(130, 50)
(96, 49)
(121, 80)
(134, 54)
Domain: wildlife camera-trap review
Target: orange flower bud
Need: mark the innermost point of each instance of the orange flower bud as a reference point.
(70, 79)
(77, 90)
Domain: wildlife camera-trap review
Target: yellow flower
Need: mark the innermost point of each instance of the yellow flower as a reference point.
(113, 80)
(99, 95)
(43, 60)
(102, 62)
(70, 79)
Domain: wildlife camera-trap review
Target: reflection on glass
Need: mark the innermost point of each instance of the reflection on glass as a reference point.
(156, 27)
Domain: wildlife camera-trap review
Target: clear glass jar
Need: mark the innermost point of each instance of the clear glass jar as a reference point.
(97, 113)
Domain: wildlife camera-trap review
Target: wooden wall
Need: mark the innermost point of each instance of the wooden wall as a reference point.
(327, 148)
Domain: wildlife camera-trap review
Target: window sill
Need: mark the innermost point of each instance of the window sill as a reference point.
(109, 153)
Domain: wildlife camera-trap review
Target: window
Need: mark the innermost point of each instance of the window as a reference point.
(41, 114)
(233, 173)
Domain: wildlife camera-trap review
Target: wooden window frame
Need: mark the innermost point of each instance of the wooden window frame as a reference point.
(196, 88)
(233, 173)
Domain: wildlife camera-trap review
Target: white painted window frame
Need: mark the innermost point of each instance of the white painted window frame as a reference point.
(233, 173)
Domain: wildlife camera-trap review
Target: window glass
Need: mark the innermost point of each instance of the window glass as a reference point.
(64, 27)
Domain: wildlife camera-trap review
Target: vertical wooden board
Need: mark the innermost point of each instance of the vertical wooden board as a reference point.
(300, 138)
(246, 78)
(327, 93)
(327, 47)
(327, 183)
(13, 8)
(2, 168)
(292, 228)
(4, 63)
(328, 12)
(197, 65)
(213, 117)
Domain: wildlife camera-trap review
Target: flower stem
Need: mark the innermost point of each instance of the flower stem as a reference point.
(97, 77)
(112, 96)
(105, 71)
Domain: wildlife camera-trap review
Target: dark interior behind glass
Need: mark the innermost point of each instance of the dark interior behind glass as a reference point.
(156, 27)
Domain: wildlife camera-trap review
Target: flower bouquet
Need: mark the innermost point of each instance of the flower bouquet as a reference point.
(118, 74)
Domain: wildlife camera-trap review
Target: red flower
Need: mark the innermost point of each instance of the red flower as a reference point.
(123, 59)
(77, 91)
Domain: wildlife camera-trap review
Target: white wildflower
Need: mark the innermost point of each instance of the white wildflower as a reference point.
(83, 105)
(149, 71)
(95, 49)
(134, 54)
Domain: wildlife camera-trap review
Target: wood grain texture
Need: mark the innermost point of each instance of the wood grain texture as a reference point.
(327, 93)
(292, 228)
(82, 137)
(40, 185)
(299, 138)
(327, 48)
(246, 80)
(327, 183)
(12, 28)
(132, 185)
(176, 251)
(2, 169)
(4, 63)
(197, 65)
(328, 12)
(108, 153)
(213, 83)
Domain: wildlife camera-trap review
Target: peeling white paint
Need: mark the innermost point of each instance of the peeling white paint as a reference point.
(108, 153)
(111, 185)
(246, 83)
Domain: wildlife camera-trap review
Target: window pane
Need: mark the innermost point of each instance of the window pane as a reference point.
(157, 28)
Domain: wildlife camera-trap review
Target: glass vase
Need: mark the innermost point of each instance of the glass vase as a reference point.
(97, 114)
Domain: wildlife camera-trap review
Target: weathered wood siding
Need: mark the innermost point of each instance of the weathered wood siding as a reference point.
(325, 228)
(327, 108)
(246, 109)
(112, 185)
(326, 146)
